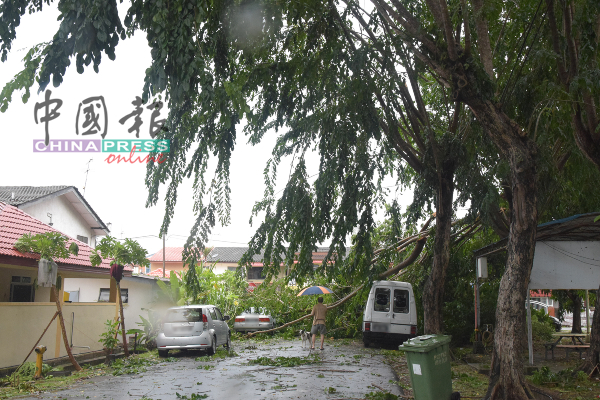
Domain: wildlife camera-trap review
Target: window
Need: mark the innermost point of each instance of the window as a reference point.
(213, 314)
(83, 239)
(232, 269)
(184, 315)
(104, 295)
(219, 316)
(382, 299)
(21, 289)
(256, 273)
(401, 301)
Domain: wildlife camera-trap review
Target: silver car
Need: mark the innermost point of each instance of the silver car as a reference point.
(253, 320)
(200, 327)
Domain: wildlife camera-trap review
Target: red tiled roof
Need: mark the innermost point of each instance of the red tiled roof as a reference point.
(159, 273)
(252, 286)
(14, 223)
(171, 254)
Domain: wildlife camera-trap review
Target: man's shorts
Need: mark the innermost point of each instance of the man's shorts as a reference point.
(319, 328)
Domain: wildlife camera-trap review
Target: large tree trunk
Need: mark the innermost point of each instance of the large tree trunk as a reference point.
(433, 293)
(507, 379)
(576, 310)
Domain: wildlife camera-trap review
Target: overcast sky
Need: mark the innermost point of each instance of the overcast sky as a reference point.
(116, 191)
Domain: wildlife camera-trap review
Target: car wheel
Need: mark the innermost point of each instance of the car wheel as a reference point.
(228, 344)
(213, 348)
(367, 344)
(163, 353)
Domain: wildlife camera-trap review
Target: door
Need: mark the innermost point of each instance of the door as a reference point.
(222, 325)
(216, 325)
(401, 311)
(381, 315)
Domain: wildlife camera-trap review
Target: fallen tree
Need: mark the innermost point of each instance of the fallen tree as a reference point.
(418, 239)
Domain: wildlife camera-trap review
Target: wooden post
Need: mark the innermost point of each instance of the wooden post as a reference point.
(112, 296)
(587, 315)
(64, 332)
(125, 349)
(529, 331)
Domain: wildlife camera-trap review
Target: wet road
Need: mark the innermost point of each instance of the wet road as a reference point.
(345, 370)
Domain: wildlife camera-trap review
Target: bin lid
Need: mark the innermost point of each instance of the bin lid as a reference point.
(425, 343)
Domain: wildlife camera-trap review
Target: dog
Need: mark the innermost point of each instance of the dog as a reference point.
(306, 337)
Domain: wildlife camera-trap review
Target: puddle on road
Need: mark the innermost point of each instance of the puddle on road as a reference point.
(341, 371)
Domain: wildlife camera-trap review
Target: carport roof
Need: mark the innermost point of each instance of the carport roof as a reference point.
(580, 227)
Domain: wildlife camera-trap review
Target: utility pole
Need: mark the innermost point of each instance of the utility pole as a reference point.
(164, 236)
(86, 175)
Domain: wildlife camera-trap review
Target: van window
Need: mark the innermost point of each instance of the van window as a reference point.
(213, 315)
(401, 301)
(382, 299)
(219, 316)
(185, 315)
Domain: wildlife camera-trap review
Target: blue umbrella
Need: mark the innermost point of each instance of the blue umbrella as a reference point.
(315, 290)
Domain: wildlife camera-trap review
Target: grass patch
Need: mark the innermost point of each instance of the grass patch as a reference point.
(285, 361)
(381, 396)
(132, 365)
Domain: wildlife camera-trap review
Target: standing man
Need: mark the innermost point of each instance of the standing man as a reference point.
(319, 312)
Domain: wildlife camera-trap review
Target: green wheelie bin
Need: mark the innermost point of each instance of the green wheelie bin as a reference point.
(428, 359)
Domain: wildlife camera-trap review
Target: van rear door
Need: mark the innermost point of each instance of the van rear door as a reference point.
(381, 316)
(401, 320)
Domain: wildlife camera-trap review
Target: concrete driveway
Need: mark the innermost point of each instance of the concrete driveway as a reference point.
(344, 370)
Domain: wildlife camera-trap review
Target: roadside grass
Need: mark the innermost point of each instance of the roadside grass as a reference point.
(19, 386)
(22, 384)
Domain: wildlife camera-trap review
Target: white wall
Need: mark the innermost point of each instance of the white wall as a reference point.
(64, 217)
(141, 294)
(23, 323)
(566, 265)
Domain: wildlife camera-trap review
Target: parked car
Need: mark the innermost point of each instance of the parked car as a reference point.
(390, 314)
(557, 323)
(253, 319)
(200, 327)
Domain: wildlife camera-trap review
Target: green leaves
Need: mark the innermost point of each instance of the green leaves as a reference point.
(25, 79)
(128, 252)
(49, 245)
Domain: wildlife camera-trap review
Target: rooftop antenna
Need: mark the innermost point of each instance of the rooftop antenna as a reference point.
(86, 175)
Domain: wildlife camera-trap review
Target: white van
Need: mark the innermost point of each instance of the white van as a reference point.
(390, 314)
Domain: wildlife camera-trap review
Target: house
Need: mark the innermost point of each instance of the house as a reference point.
(61, 207)
(64, 209)
(224, 259)
(26, 309)
(173, 261)
(544, 300)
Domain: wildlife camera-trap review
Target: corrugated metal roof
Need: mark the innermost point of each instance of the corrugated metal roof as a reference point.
(16, 195)
(580, 227)
(231, 254)
(15, 222)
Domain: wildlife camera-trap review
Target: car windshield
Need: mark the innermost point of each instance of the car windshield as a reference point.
(184, 315)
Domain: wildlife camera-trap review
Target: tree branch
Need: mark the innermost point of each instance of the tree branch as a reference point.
(483, 38)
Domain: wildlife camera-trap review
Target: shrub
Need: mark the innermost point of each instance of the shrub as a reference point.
(542, 327)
